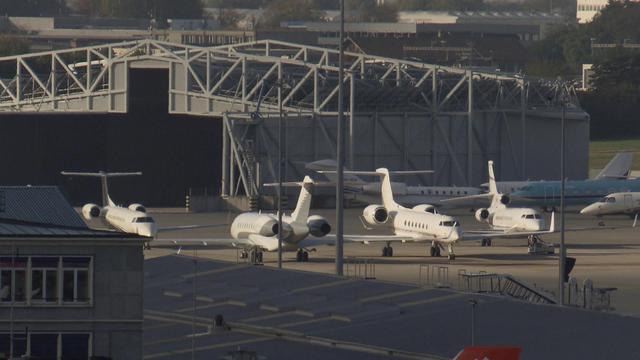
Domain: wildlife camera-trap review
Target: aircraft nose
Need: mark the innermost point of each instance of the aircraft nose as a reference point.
(589, 210)
(147, 230)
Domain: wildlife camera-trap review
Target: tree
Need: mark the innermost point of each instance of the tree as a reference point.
(12, 45)
(33, 7)
(289, 10)
(228, 18)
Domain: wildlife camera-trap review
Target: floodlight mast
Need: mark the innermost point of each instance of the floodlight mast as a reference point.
(340, 151)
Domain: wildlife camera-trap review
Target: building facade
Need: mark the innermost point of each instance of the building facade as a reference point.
(66, 291)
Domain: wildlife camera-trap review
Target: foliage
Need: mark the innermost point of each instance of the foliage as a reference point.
(33, 7)
(615, 102)
(160, 10)
(228, 18)
(11, 45)
(278, 11)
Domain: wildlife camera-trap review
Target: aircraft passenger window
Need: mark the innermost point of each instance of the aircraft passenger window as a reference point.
(429, 192)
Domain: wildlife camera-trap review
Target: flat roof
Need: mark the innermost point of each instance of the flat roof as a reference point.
(313, 316)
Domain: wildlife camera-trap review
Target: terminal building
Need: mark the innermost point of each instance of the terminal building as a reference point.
(66, 291)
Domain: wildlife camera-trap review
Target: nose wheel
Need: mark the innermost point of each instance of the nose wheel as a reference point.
(387, 251)
(485, 242)
(302, 256)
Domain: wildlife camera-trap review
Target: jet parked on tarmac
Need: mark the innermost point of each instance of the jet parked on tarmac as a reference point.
(626, 203)
(132, 219)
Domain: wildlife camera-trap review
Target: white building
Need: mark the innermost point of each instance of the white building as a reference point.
(588, 9)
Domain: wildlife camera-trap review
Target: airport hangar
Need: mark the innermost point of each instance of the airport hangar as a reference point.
(399, 114)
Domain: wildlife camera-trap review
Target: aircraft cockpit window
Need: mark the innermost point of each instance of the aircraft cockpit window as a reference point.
(537, 216)
(531, 216)
(610, 199)
(145, 219)
(449, 223)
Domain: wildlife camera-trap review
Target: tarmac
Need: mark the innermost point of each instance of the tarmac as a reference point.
(610, 258)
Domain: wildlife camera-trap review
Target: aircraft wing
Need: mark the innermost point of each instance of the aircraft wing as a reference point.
(478, 200)
(187, 227)
(367, 239)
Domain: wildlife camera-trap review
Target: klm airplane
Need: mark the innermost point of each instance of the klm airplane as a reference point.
(546, 194)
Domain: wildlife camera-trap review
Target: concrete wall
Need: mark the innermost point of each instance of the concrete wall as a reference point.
(115, 319)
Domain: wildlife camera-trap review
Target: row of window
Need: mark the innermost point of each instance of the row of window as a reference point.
(590, 7)
(47, 346)
(47, 280)
(418, 225)
(444, 192)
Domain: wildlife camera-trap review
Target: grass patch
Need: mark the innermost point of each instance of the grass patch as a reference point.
(601, 152)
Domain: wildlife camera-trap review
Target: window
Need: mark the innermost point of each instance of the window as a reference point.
(75, 346)
(75, 281)
(13, 279)
(449, 223)
(44, 279)
(611, 199)
(144, 219)
(46, 345)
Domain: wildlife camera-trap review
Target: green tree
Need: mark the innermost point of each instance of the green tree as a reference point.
(286, 10)
(12, 45)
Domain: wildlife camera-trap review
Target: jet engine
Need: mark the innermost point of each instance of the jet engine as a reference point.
(505, 199)
(270, 228)
(375, 214)
(90, 211)
(426, 208)
(482, 215)
(137, 207)
(318, 226)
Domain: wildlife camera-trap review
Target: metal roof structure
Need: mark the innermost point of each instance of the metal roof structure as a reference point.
(296, 314)
(237, 81)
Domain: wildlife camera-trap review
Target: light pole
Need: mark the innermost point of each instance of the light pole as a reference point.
(562, 255)
(280, 165)
(473, 303)
(340, 150)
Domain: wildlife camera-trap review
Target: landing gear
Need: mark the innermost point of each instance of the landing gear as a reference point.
(601, 221)
(244, 254)
(302, 256)
(255, 256)
(387, 251)
(434, 251)
(485, 242)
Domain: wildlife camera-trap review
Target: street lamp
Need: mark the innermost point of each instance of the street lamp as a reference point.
(562, 255)
(340, 151)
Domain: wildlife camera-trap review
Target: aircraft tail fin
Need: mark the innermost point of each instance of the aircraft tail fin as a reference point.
(301, 212)
(385, 189)
(496, 197)
(106, 200)
(618, 168)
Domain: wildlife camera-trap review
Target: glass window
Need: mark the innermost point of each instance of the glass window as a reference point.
(13, 279)
(75, 280)
(75, 346)
(44, 279)
(611, 199)
(44, 346)
(145, 219)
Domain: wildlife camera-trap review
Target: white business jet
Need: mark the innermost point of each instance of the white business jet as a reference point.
(132, 219)
(422, 223)
(625, 203)
(503, 219)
